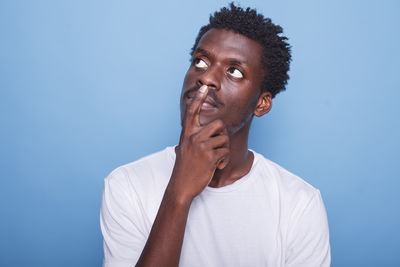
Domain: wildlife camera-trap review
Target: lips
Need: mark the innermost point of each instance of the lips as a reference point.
(208, 102)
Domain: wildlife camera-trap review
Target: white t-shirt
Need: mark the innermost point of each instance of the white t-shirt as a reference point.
(269, 217)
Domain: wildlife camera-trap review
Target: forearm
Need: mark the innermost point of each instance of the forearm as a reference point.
(200, 150)
(164, 244)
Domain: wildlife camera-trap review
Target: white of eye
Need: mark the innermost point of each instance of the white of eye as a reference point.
(235, 73)
(199, 63)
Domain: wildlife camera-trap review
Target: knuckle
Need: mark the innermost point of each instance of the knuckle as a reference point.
(185, 127)
(202, 146)
(191, 110)
(197, 97)
(218, 123)
(192, 139)
(210, 156)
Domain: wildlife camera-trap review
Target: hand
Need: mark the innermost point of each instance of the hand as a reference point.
(201, 150)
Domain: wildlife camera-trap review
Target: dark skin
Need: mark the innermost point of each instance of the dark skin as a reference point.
(220, 95)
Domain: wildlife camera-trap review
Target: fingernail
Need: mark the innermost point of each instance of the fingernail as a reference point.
(203, 89)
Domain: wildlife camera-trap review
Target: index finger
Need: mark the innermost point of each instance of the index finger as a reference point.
(193, 110)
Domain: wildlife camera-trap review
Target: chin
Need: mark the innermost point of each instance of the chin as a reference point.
(205, 119)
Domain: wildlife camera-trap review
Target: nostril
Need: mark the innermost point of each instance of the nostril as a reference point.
(212, 86)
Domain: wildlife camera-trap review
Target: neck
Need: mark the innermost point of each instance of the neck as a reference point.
(240, 160)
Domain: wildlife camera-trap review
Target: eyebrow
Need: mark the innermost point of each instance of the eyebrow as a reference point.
(232, 61)
(202, 51)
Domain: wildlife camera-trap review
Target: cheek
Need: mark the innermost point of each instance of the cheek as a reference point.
(185, 80)
(189, 76)
(244, 106)
(186, 83)
(244, 96)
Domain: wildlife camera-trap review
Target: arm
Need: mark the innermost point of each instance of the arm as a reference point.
(163, 246)
(201, 150)
(309, 237)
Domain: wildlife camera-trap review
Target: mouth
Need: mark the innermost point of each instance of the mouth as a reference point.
(208, 104)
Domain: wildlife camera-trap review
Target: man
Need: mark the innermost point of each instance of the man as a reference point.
(210, 201)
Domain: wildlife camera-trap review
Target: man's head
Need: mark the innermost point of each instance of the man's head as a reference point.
(276, 51)
(243, 59)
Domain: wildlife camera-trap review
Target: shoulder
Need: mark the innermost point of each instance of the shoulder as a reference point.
(302, 216)
(290, 188)
(150, 170)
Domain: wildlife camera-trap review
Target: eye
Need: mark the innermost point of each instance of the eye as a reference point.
(234, 72)
(199, 63)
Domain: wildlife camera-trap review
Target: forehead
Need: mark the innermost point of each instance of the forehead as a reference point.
(228, 44)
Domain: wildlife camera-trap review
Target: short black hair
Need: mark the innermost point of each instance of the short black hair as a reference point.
(276, 51)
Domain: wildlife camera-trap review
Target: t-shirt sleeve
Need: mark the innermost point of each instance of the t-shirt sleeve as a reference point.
(121, 221)
(308, 239)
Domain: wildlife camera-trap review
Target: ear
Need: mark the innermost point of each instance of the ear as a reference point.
(264, 104)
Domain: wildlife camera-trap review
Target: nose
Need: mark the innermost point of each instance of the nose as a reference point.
(211, 77)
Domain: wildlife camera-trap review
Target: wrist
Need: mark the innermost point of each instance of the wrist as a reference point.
(177, 197)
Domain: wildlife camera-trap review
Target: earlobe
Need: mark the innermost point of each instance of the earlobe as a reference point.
(264, 104)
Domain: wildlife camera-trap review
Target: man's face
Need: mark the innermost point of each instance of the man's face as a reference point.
(230, 64)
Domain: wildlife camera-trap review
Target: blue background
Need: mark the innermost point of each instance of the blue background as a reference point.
(87, 86)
